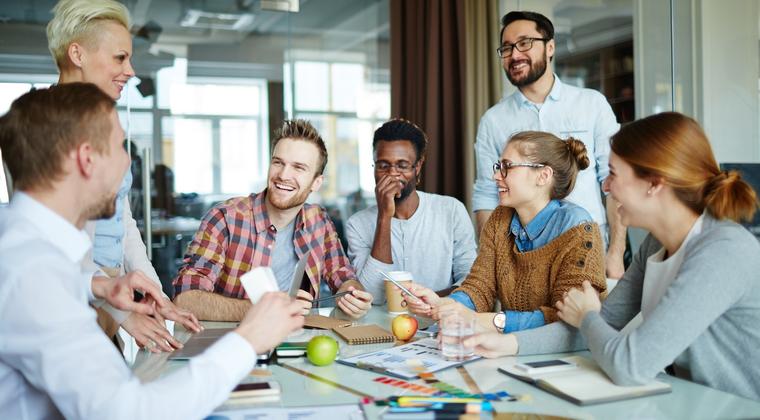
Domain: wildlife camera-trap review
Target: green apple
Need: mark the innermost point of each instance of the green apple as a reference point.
(322, 350)
(404, 326)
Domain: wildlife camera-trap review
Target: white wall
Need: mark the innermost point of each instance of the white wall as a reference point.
(716, 69)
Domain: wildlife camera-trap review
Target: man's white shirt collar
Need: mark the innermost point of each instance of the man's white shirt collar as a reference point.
(72, 242)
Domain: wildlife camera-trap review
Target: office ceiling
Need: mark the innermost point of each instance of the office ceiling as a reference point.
(174, 17)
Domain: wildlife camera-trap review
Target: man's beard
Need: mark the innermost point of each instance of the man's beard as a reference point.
(536, 71)
(290, 203)
(407, 190)
(104, 209)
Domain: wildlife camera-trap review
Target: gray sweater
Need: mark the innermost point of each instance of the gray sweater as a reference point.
(708, 321)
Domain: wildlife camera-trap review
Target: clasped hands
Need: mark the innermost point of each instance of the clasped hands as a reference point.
(146, 320)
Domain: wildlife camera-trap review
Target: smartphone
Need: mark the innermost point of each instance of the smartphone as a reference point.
(292, 349)
(265, 357)
(256, 389)
(399, 285)
(545, 366)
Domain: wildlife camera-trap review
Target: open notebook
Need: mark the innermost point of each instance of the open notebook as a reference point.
(586, 384)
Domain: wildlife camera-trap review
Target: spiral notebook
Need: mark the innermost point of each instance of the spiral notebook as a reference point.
(364, 334)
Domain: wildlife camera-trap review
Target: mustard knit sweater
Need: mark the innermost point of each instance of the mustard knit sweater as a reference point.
(533, 280)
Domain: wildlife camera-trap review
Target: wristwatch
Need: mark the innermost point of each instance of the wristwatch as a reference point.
(500, 321)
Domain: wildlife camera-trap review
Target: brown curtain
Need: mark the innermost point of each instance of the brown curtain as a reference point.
(444, 76)
(428, 84)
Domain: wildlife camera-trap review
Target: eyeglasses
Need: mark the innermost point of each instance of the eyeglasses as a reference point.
(522, 45)
(403, 166)
(504, 166)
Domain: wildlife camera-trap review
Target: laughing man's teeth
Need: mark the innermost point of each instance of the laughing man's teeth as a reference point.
(284, 187)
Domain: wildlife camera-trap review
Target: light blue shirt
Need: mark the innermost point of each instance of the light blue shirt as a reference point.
(553, 220)
(568, 111)
(108, 246)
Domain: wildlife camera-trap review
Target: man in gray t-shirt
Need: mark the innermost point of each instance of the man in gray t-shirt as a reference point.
(429, 235)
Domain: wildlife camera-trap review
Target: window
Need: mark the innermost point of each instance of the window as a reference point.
(346, 108)
(213, 132)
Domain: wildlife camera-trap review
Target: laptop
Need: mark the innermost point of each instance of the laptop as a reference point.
(198, 343)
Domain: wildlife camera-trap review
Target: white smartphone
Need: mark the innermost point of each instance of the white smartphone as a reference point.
(399, 285)
(545, 366)
(256, 389)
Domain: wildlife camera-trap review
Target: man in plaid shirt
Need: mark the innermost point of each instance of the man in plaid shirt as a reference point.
(272, 228)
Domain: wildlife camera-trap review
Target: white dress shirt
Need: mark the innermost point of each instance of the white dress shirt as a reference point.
(568, 111)
(54, 359)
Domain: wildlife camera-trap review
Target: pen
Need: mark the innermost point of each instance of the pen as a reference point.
(335, 296)
(404, 400)
(402, 288)
(372, 368)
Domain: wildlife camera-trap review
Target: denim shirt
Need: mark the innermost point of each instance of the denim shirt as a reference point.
(553, 220)
(108, 247)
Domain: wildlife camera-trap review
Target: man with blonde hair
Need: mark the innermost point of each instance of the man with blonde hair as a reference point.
(273, 228)
(64, 150)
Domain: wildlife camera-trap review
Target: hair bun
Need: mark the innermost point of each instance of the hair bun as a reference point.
(727, 195)
(578, 150)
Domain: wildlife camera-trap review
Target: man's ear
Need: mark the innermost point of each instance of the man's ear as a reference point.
(317, 183)
(550, 49)
(76, 54)
(83, 157)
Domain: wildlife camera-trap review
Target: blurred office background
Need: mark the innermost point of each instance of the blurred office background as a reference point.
(215, 78)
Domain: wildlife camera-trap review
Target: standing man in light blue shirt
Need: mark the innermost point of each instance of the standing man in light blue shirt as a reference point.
(542, 102)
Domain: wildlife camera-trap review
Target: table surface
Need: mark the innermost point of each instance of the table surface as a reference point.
(687, 400)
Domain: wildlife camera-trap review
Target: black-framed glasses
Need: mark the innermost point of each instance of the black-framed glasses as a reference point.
(503, 166)
(403, 166)
(522, 45)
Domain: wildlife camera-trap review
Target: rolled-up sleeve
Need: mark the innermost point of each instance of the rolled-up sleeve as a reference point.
(359, 234)
(484, 193)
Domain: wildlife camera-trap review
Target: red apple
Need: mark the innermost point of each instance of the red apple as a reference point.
(404, 326)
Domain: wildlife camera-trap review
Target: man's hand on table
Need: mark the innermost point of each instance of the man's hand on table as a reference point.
(355, 304)
(150, 333)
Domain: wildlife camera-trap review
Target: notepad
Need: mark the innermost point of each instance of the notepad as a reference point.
(324, 322)
(587, 384)
(364, 334)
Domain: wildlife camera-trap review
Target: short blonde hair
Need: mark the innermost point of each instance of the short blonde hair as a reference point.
(303, 130)
(76, 21)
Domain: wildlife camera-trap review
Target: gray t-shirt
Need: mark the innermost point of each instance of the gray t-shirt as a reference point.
(436, 244)
(284, 258)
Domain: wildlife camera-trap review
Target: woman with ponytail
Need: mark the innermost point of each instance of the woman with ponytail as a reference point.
(694, 279)
(535, 246)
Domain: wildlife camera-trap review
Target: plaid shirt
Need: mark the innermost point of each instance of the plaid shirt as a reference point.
(236, 236)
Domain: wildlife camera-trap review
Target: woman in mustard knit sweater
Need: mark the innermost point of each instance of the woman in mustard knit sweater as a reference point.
(535, 246)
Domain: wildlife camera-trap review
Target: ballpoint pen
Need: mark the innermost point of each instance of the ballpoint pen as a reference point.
(335, 296)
